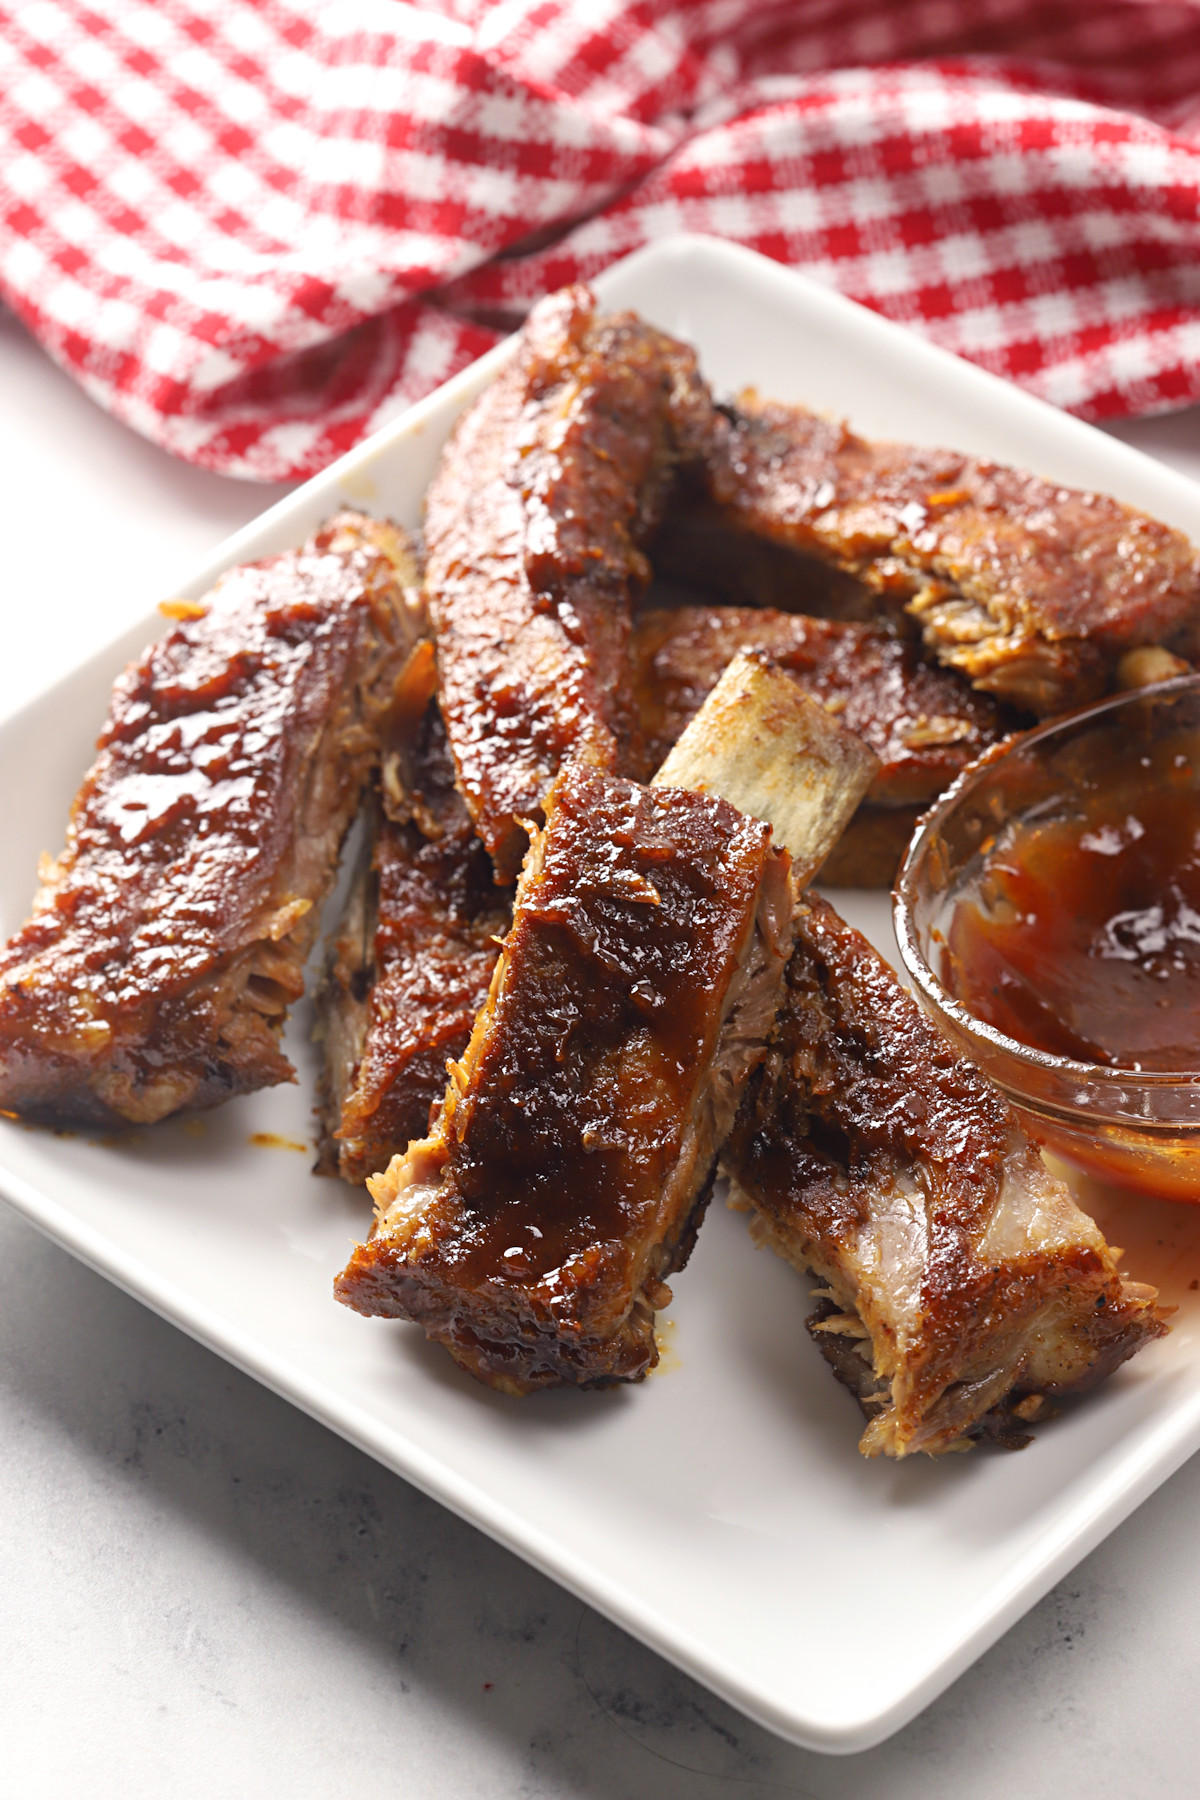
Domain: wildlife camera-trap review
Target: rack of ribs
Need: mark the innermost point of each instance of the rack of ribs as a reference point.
(533, 1231)
(411, 961)
(535, 524)
(168, 939)
(962, 1290)
(1031, 590)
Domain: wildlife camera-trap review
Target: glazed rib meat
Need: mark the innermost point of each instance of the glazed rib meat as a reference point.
(962, 1290)
(534, 524)
(411, 965)
(923, 723)
(168, 939)
(1031, 590)
(533, 1231)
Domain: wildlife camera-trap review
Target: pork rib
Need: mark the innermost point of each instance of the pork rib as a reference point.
(760, 742)
(534, 525)
(923, 723)
(962, 1290)
(411, 962)
(1031, 590)
(533, 1230)
(169, 938)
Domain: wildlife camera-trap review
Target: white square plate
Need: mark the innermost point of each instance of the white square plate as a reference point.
(721, 1512)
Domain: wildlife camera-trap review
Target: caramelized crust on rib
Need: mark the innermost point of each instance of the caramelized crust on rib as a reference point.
(923, 723)
(534, 524)
(963, 1289)
(564, 1177)
(410, 966)
(1031, 590)
(169, 938)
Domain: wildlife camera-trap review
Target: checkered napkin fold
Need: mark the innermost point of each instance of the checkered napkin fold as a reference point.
(256, 229)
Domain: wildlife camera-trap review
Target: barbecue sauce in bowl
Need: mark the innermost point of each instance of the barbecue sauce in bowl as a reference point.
(1082, 937)
(1048, 914)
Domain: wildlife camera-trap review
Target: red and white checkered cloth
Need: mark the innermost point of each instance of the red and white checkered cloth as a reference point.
(255, 229)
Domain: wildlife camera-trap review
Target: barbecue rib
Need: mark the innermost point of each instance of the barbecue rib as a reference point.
(760, 742)
(534, 524)
(963, 1291)
(1033, 591)
(563, 1181)
(168, 940)
(923, 723)
(532, 1232)
(411, 963)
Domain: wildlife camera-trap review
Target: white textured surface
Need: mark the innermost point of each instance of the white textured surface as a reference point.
(204, 1593)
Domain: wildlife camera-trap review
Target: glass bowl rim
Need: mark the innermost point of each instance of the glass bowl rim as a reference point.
(1100, 1075)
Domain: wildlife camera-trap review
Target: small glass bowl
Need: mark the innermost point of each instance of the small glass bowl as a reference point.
(1135, 1130)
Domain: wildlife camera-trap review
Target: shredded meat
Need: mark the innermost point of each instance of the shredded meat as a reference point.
(963, 1291)
(534, 524)
(1032, 590)
(343, 998)
(532, 1231)
(169, 938)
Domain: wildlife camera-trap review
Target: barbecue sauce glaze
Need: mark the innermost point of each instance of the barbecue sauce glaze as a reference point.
(1082, 936)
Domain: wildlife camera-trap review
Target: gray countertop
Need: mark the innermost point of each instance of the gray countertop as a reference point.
(203, 1592)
